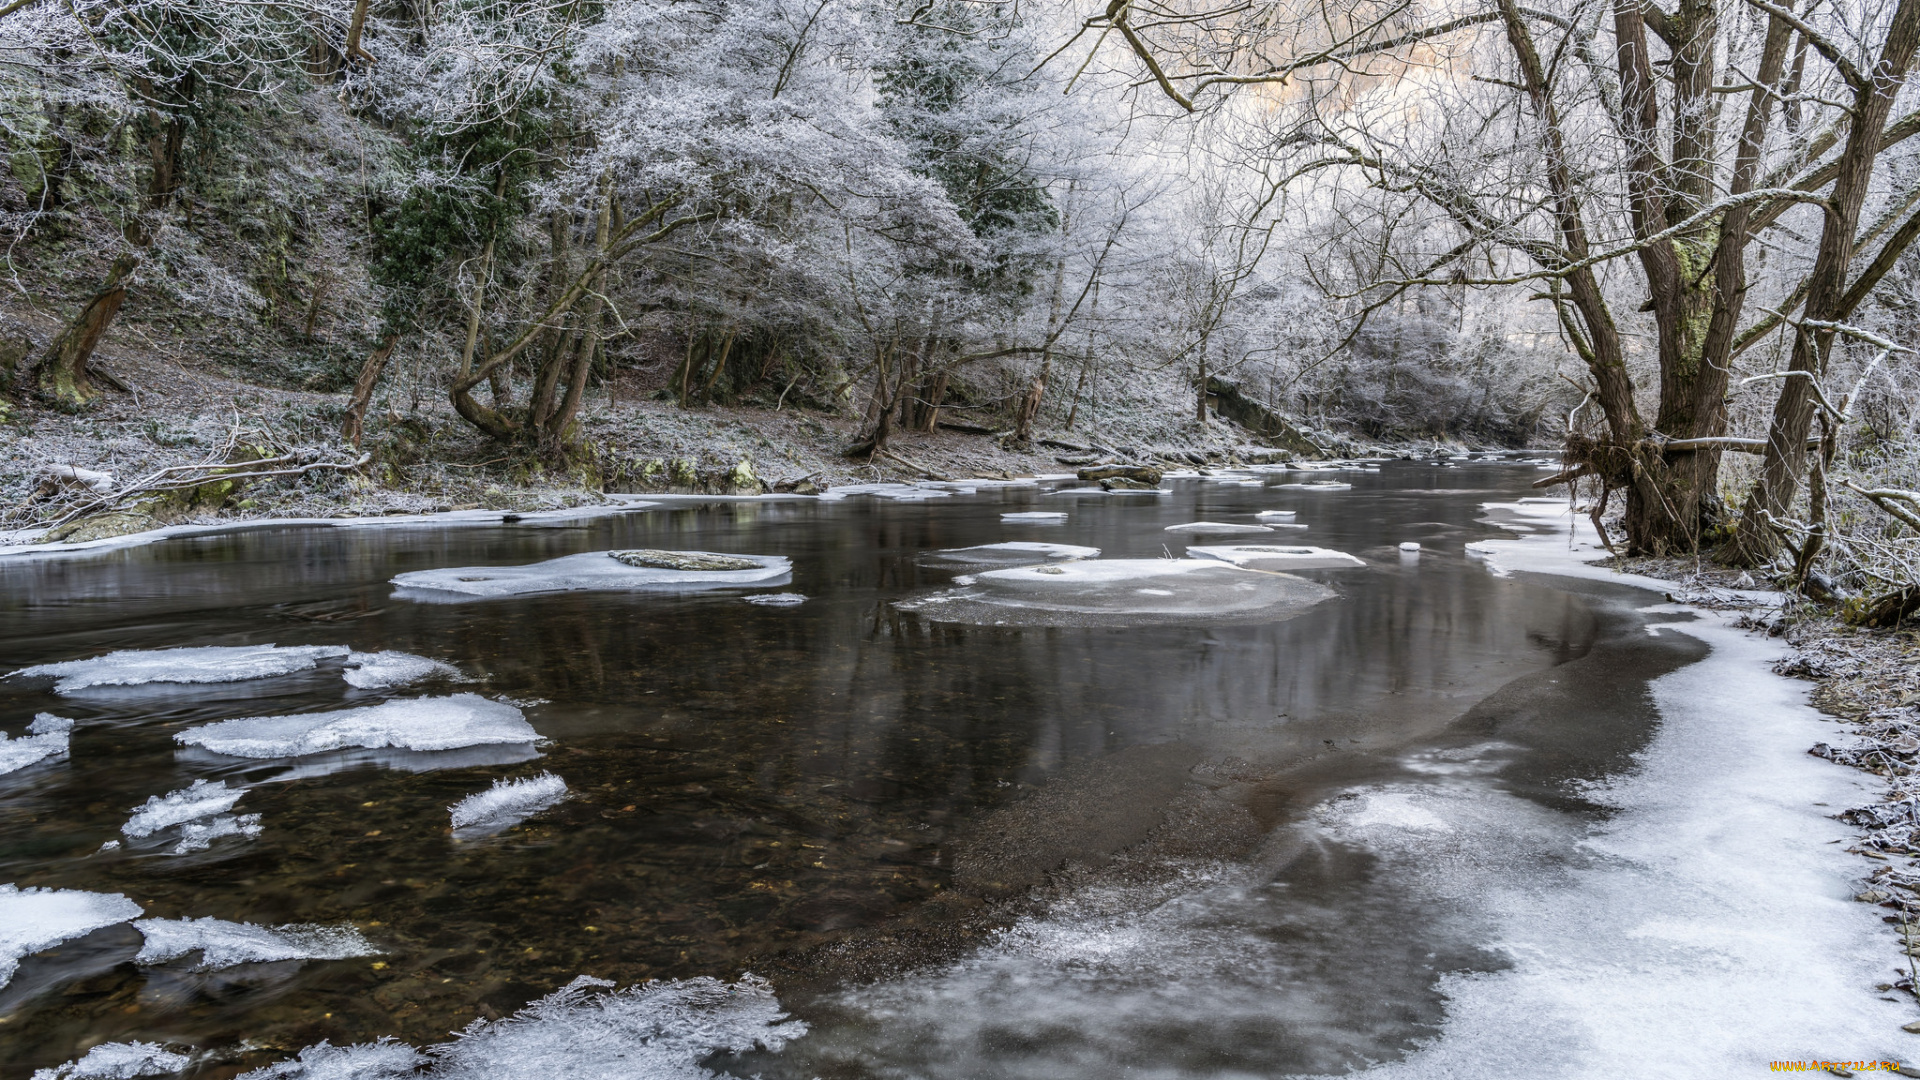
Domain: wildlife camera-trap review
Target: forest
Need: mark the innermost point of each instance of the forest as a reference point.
(334, 250)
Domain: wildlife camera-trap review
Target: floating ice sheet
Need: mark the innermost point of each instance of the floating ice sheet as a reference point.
(203, 803)
(506, 804)
(1035, 517)
(46, 738)
(222, 944)
(1277, 556)
(776, 599)
(379, 670)
(435, 723)
(197, 664)
(656, 1031)
(1121, 592)
(1012, 553)
(1319, 485)
(592, 570)
(1271, 516)
(119, 1061)
(35, 919)
(200, 835)
(1217, 527)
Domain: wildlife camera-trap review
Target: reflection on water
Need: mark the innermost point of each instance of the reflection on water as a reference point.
(821, 792)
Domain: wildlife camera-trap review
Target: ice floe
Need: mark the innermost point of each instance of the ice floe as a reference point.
(223, 944)
(32, 920)
(506, 804)
(46, 739)
(1035, 517)
(379, 670)
(1319, 485)
(199, 810)
(592, 570)
(195, 664)
(434, 723)
(1410, 545)
(662, 1030)
(776, 599)
(1276, 556)
(1217, 527)
(1012, 553)
(1098, 592)
(1271, 516)
(119, 1061)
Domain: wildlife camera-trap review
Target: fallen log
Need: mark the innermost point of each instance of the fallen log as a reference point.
(1139, 474)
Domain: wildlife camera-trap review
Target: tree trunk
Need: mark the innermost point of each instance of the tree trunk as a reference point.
(63, 374)
(555, 437)
(363, 390)
(1827, 294)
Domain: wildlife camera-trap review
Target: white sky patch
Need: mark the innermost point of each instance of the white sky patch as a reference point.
(32, 920)
(588, 571)
(195, 664)
(119, 1061)
(435, 723)
(223, 944)
(47, 738)
(506, 804)
(656, 1031)
(379, 670)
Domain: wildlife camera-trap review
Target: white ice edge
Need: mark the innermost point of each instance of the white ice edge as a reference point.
(588, 571)
(506, 804)
(33, 920)
(422, 724)
(119, 1061)
(1288, 556)
(223, 944)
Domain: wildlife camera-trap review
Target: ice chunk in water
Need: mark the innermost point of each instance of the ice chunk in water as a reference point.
(1034, 517)
(47, 738)
(35, 919)
(222, 944)
(1409, 545)
(200, 835)
(777, 599)
(119, 1061)
(595, 570)
(440, 723)
(378, 670)
(1012, 553)
(1319, 485)
(1276, 556)
(197, 664)
(1271, 516)
(656, 1031)
(1217, 527)
(1107, 592)
(506, 804)
(203, 799)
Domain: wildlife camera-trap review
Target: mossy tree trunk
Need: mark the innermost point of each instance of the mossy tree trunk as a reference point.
(63, 374)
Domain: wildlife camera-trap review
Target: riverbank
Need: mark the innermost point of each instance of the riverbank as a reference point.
(163, 412)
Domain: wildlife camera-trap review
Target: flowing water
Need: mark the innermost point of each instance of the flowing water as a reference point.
(956, 849)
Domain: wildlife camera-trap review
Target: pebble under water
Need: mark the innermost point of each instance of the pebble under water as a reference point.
(955, 846)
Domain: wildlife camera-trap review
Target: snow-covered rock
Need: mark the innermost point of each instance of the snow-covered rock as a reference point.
(435, 723)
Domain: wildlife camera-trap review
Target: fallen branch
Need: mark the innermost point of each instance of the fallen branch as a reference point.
(1889, 499)
(161, 481)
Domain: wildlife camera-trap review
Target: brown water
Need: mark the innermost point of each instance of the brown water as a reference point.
(827, 794)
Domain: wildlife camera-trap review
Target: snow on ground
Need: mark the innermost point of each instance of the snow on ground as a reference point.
(1217, 527)
(595, 570)
(1276, 556)
(32, 920)
(659, 1030)
(379, 670)
(119, 1061)
(47, 738)
(435, 723)
(222, 944)
(195, 664)
(506, 804)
